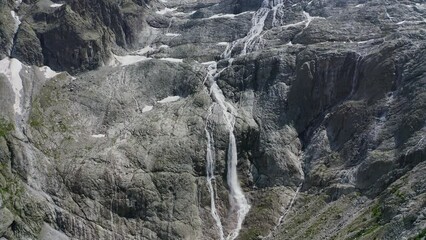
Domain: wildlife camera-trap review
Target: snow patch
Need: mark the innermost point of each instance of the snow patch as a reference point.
(172, 34)
(98, 136)
(175, 60)
(16, 18)
(220, 15)
(165, 10)
(48, 73)
(11, 68)
(411, 22)
(367, 41)
(421, 6)
(169, 99)
(147, 108)
(56, 5)
(222, 43)
(128, 59)
(145, 50)
(184, 13)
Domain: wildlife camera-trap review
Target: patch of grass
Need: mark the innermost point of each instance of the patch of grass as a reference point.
(368, 223)
(36, 119)
(400, 195)
(35, 123)
(5, 127)
(10, 189)
(325, 218)
(366, 231)
(251, 234)
(376, 212)
(397, 192)
(420, 236)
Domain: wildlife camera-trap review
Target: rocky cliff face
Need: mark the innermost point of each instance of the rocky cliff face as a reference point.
(213, 119)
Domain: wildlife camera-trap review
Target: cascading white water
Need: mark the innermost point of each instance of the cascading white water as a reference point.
(249, 41)
(277, 8)
(258, 22)
(210, 167)
(355, 76)
(238, 201)
(17, 24)
(210, 177)
(210, 154)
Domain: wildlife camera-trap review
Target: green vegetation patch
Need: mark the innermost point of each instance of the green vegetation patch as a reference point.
(420, 236)
(251, 234)
(366, 231)
(376, 212)
(399, 193)
(11, 190)
(5, 127)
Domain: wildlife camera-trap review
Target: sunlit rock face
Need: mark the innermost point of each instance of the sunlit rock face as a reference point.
(213, 119)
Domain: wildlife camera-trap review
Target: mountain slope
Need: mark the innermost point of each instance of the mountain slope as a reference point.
(216, 119)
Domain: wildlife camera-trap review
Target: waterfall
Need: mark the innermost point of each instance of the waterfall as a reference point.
(249, 41)
(17, 21)
(210, 157)
(258, 22)
(238, 201)
(239, 204)
(355, 77)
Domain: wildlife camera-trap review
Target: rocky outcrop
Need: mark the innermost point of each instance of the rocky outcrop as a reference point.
(328, 99)
(8, 26)
(86, 32)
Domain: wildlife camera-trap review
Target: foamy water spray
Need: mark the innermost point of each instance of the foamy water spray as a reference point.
(239, 204)
(238, 201)
(251, 41)
(211, 158)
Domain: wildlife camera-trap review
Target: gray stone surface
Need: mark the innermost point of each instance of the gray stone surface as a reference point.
(330, 119)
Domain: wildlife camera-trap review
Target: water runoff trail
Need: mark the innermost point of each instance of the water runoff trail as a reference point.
(220, 106)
